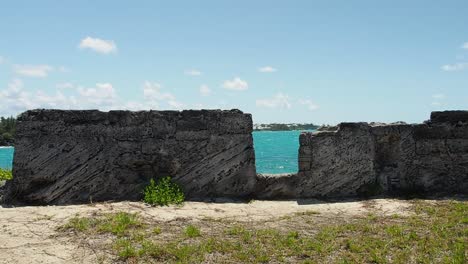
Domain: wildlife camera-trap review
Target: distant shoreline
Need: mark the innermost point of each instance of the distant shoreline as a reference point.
(284, 127)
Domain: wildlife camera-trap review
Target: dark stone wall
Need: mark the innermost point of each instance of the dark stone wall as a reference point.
(64, 157)
(360, 159)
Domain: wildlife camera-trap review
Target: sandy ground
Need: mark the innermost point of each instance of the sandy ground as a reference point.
(28, 234)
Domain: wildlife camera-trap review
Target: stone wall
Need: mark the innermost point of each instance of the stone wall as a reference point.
(367, 159)
(64, 157)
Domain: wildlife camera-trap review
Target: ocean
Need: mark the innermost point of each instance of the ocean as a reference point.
(275, 152)
(6, 157)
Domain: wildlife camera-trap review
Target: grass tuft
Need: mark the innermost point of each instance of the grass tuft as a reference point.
(192, 231)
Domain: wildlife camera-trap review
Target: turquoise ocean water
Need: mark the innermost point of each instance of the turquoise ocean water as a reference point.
(275, 152)
(6, 157)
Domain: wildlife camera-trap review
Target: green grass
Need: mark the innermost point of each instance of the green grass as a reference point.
(118, 224)
(192, 231)
(5, 175)
(434, 233)
(163, 193)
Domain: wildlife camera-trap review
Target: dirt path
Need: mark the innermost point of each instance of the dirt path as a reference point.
(28, 234)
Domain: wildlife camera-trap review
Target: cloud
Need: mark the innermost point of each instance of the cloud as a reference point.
(65, 85)
(465, 45)
(455, 67)
(15, 99)
(235, 84)
(153, 95)
(438, 96)
(63, 69)
(193, 72)
(198, 106)
(39, 71)
(98, 45)
(267, 69)
(437, 99)
(309, 104)
(279, 100)
(2, 60)
(102, 96)
(152, 92)
(205, 90)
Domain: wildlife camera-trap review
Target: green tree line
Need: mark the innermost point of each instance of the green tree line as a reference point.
(7, 131)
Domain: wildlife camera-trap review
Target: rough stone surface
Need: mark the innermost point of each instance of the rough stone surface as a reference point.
(64, 157)
(370, 159)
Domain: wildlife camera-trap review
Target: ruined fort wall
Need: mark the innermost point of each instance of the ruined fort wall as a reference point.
(361, 159)
(66, 157)
(77, 156)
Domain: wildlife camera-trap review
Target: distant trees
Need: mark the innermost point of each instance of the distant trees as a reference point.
(284, 127)
(7, 131)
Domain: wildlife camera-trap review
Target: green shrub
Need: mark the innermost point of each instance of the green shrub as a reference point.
(5, 175)
(165, 192)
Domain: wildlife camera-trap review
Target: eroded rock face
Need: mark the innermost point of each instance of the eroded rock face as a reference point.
(64, 157)
(361, 159)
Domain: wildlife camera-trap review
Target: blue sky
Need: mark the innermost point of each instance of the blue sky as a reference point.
(282, 61)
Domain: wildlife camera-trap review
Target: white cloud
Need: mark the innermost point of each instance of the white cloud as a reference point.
(39, 71)
(175, 104)
(438, 96)
(465, 45)
(198, 106)
(65, 85)
(437, 99)
(193, 72)
(98, 45)
(455, 67)
(135, 106)
(205, 90)
(16, 99)
(2, 60)
(152, 92)
(153, 95)
(267, 69)
(63, 69)
(235, 84)
(103, 96)
(279, 100)
(309, 104)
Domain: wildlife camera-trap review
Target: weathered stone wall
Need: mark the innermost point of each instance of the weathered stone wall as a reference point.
(64, 157)
(368, 159)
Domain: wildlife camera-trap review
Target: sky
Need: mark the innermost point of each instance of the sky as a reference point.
(308, 61)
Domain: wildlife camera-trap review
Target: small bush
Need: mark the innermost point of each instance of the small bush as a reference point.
(165, 192)
(5, 175)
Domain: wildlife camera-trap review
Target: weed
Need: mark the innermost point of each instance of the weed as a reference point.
(163, 193)
(192, 231)
(119, 223)
(157, 230)
(125, 248)
(5, 175)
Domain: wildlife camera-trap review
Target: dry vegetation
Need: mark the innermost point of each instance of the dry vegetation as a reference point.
(434, 232)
